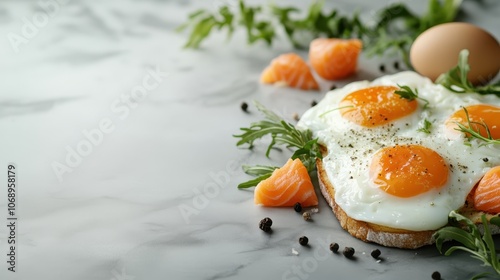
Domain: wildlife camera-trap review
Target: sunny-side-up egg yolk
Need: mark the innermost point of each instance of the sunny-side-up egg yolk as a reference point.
(375, 106)
(484, 114)
(408, 170)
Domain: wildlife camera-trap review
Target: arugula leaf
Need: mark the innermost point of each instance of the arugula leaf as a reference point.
(308, 154)
(254, 182)
(395, 29)
(426, 127)
(439, 13)
(407, 93)
(456, 79)
(256, 30)
(315, 24)
(398, 27)
(454, 233)
(495, 221)
(261, 171)
(201, 31)
(282, 133)
(335, 109)
(203, 23)
(258, 170)
(481, 247)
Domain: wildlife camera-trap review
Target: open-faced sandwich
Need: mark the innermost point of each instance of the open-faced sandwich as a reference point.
(400, 153)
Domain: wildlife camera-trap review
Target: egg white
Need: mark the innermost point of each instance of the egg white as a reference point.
(351, 148)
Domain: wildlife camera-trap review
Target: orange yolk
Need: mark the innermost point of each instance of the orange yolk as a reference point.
(408, 170)
(487, 195)
(480, 113)
(375, 106)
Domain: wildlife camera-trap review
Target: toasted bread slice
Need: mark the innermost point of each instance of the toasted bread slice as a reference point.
(386, 236)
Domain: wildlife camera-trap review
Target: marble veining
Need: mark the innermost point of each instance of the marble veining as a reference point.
(127, 168)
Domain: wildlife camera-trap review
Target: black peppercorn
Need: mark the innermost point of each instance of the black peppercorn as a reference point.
(267, 221)
(244, 107)
(334, 247)
(348, 252)
(314, 103)
(485, 159)
(382, 68)
(265, 224)
(303, 240)
(297, 207)
(396, 65)
(436, 275)
(375, 253)
(265, 228)
(333, 87)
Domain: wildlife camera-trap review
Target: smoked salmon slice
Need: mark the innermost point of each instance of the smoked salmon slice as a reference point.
(286, 186)
(333, 58)
(487, 195)
(289, 69)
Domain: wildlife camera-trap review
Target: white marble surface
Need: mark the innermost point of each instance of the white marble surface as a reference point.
(115, 209)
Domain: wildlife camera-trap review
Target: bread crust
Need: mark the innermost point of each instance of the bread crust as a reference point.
(369, 232)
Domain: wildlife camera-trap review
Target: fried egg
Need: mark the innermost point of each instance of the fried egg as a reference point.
(385, 167)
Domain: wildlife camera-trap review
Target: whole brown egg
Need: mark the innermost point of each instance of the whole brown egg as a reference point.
(436, 50)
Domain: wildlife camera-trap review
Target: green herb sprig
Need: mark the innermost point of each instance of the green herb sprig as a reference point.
(456, 79)
(262, 172)
(395, 26)
(426, 127)
(480, 247)
(407, 93)
(471, 132)
(202, 22)
(282, 133)
(335, 109)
